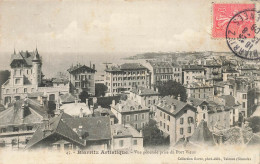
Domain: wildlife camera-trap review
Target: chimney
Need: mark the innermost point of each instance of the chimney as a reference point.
(94, 66)
(22, 111)
(164, 102)
(113, 103)
(92, 109)
(173, 108)
(87, 103)
(46, 126)
(179, 97)
(141, 133)
(81, 113)
(94, 100)
(76, 100)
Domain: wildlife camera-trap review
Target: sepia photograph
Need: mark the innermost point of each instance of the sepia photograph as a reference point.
(129, 81)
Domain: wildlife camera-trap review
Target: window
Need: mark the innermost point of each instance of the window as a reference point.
(164, 125)
(244, 105)
(136, 117)
(161, 114)
(169, 118)
(168, 128)
(136, 126)
(143, 124)
(164, 115)
(25, 90)
(29, 128)
(190, 120)
(127, 118)
(3, 130)
(143, 116)
(121, 143)
(181, 120)
(15, 129)
(244, 96)
(160, 123)
(189, 129)
(135, 142)
(181, 131)
(17, 81)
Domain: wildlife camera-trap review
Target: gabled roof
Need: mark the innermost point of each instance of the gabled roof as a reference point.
(167, 103)
(129, 106)
(26, 57)
(196, 102)
(202, 135)
(142, 91)
(32, 113)
(60, 80)
(98, 128)
(126, 66)
(57, 127)
(192, 67)
(229, 100)
(120, 131)
(72, 69)
(67, 98)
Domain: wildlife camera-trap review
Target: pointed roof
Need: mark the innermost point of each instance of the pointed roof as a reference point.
(202, 135)
(33, 112)
(57, 127)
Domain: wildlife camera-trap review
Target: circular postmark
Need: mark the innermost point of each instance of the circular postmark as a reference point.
(243, 34)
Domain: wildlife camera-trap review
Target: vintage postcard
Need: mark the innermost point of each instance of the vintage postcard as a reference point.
(130, 81)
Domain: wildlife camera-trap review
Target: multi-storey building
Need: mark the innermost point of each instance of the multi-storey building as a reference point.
(189, 72)
(125, 77)
(131, 112)
(212, 70)
(163, 71)
(175, 118)
(25, 76)
(82, 79)
(126, 137)
(200, 90)
(19, 122)
(146, 97)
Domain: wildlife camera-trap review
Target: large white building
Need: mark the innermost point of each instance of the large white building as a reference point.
(125, 77)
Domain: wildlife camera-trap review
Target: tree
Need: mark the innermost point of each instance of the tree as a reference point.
(172, 88)
(152, 135)
(100, 89)
(83, 96)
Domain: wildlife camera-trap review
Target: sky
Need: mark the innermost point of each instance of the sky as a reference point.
(108, 27)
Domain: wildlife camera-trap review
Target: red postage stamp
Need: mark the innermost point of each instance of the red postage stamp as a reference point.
(223, 13)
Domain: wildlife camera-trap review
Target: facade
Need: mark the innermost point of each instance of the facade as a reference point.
(146, 97)
(200, 90)
(19, 122)
(189, 72)
(131, 112)
(82, 78)
(175, 118)
(202, 109)
(126, 137)
(125, 77)
(218, 116)
(164, 71)
(25, 77)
